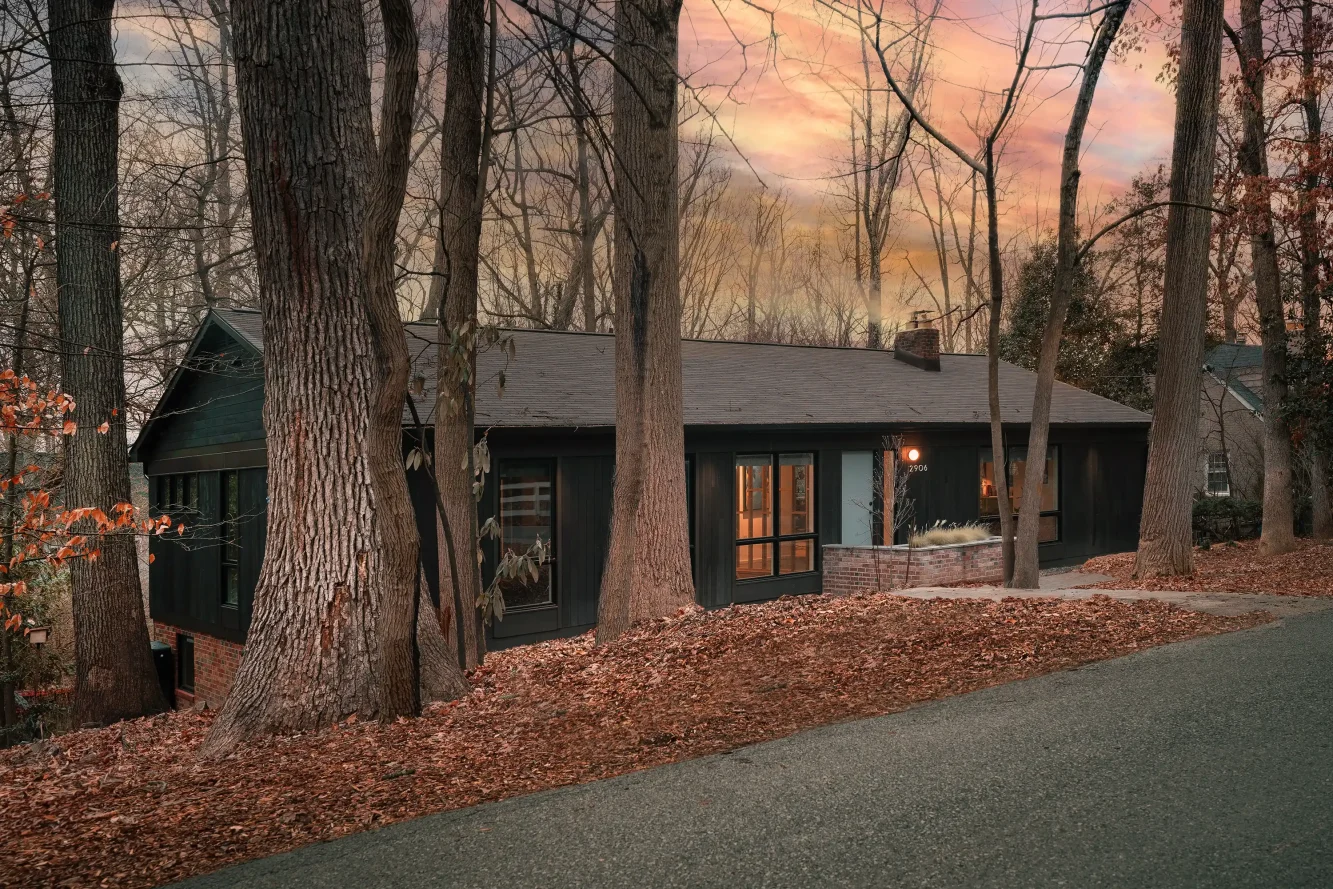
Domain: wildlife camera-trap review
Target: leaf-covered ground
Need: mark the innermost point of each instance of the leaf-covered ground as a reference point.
(1239, 568)
(131, 805)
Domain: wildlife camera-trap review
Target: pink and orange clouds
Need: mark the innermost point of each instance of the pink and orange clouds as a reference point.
(788, 112)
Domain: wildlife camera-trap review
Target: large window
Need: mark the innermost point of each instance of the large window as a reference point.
(230, 533)
(1219, 475)
(775, 515)
(527, 512)
(1048, 528)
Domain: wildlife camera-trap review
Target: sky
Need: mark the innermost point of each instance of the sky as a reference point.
(788, 117)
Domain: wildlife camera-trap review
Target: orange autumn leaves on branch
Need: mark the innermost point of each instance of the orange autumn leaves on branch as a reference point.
(38, 528)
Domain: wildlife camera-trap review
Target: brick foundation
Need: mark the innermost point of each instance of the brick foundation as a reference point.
(860, 569)
(215, 665)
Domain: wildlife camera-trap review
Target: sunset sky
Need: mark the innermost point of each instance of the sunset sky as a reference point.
(789, 116)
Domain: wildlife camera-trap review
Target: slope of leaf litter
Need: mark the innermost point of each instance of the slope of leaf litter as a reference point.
(132, 805)
(1231, 568)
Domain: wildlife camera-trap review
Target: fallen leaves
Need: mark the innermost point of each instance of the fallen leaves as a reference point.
(1306, 571)
(133, 801)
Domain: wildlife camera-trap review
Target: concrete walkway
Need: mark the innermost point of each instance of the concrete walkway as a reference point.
(1207, 763)
(1062, 586)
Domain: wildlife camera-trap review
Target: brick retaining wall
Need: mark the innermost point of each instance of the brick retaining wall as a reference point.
(215, 665)
(859, 569)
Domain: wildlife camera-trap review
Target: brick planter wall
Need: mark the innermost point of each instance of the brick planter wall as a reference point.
(215, 665)
(860, 569)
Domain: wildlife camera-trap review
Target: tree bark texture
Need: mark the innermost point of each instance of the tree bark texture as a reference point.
(1027, 564)
(648, 560)
(1165, 532)
(114, 675)
(401, 545)
(1278, 534)
(1311, 259)
(457, 275)
(1001, 473)
(315, 653)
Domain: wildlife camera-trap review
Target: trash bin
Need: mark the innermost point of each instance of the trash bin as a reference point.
(166, 671)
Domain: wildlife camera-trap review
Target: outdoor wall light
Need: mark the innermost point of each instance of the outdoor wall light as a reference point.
(911, 455)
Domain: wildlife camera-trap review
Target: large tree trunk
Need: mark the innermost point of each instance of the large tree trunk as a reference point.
(401, 545)
(114, 676)
(329, 587)
(648, 562)
(1027, 565)
(1278, 535)
(1165, 544)
(457, 274)
(1311, 259)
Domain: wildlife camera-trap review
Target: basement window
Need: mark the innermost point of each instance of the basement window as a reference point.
(185, 662)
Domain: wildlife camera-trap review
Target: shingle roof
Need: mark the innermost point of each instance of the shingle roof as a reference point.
(1231, 356)
(560, 379)
(1240, 369)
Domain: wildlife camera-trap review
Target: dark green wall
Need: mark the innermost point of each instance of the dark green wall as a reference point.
(185, 573)
(215, 405)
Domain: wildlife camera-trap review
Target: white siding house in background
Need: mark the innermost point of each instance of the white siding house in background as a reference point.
(1231, 456)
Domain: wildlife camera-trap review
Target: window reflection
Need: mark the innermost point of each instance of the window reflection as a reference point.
(527, 513)
(797, 486)
(1049, 523)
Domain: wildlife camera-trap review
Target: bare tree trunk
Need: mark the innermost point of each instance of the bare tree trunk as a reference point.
(1165, 542)
(648, 561)
(465, 88)
(1027, 565)
(8, 713)
(114, 675)
(330, 584)
(1278, 535)
(1002, 500)
(587, 230)
(1311, 259)
(400, 544)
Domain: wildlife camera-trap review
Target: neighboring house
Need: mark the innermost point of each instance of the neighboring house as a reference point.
(1231, 457)
(783, 446)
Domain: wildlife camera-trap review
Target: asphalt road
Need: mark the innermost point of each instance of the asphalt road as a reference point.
(1207, 763)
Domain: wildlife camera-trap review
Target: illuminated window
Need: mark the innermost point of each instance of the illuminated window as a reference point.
(769, 544)
(1048, 527)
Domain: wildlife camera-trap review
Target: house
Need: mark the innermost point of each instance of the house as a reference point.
(784, 449)
(1231, 427)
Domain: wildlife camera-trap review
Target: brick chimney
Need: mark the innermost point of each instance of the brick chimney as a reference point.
(919, 344)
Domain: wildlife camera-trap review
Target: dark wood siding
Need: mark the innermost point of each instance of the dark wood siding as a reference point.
(185, 574)
(714, 539)
(1101, 478)
(211, 408)
(583, 516)
(949, 489)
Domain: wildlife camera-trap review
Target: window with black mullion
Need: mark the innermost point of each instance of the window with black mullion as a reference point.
(775, 515)
(230, 532)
